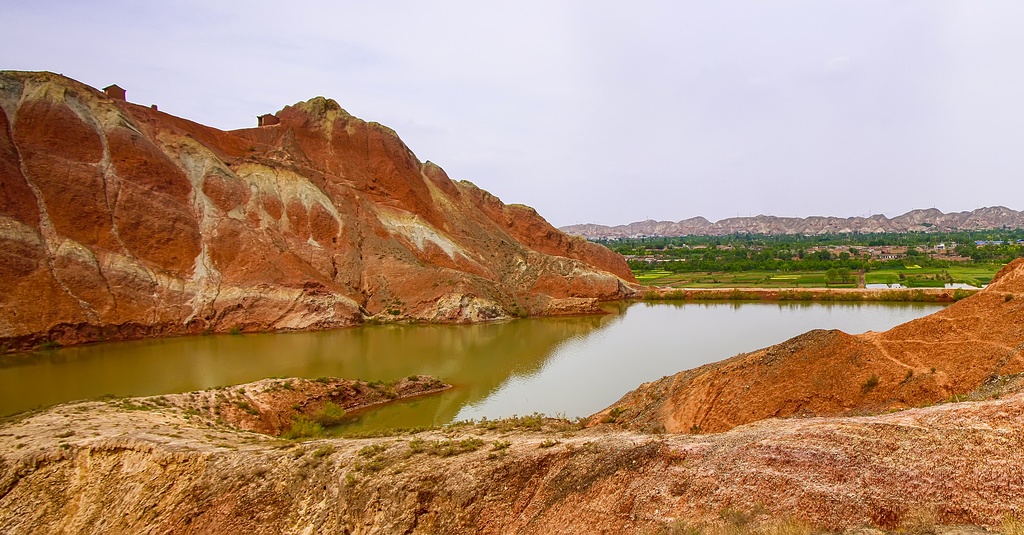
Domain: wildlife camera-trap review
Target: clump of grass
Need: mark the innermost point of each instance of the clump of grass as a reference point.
(869, 384)
(48, 345)
(372, 450)
(303, 427)
(613, 415)
(329, 415)
(247, 407)
(130, 406)
(736, 517)
(323, 451)
(448, 448)
(375, 464)
(1007, 298)
(416, 445)
(499, 445)
(548, 443)
(375, 460)
(909, 376)
(532, 422)
(789, 526)
(1013, 525)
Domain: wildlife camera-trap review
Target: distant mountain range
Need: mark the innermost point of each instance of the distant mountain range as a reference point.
(930, 220)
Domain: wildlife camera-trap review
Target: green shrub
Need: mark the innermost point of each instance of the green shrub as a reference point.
(961, 293)
(329, 415)
(303, 427)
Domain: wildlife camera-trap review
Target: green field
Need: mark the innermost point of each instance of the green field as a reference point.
(911, 277)
(744, 279)
(934, 277)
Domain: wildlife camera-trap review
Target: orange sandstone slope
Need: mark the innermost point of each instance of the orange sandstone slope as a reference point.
(119, 221)
(931, 359)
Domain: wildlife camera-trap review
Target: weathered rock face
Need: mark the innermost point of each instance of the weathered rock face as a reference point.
(119, 221)
(156, 465)
(931, 359)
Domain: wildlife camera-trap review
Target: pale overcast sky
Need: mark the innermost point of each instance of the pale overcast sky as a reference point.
(605, 112)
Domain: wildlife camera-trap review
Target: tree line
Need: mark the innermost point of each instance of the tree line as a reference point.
(750, 252)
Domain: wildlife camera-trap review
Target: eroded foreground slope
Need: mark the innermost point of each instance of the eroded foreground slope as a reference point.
(156, 465)
(119, 221)
(934, 358)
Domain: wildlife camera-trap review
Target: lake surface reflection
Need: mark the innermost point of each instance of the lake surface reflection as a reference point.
(572, 366)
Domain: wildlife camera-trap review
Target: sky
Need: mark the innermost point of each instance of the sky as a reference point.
(594, 111)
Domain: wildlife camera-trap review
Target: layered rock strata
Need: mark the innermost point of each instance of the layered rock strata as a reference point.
(119, 221)
(152, 466)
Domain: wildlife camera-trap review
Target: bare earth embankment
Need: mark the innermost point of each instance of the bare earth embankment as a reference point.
(181, 464)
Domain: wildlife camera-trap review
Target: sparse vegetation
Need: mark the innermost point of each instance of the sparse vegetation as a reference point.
(372, 450)
(869, 384)
(247, 407)
(374, 458)
(417, 445)
(1013, 525)
(448, 448)
(548, 443)
(329, 415)
(303, 427)
(613, 415)
(48, 345)
(323, 451)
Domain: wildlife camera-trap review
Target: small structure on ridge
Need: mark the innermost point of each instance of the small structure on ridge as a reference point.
(115, 92)
(268, 119)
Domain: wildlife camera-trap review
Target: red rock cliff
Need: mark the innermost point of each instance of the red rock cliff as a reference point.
(119, 221)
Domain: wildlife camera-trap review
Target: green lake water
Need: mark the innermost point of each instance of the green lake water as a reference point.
(572, 366)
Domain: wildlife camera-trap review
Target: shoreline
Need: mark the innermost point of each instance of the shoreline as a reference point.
(893, 295)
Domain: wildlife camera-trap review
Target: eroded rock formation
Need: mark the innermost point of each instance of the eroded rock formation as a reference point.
(120, 221)
(155, 465)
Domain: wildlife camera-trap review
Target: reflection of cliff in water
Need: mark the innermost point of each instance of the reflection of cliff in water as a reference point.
(476, 358)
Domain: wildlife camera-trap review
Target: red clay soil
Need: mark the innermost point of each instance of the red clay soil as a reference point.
(119, 221)
(921, 362)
